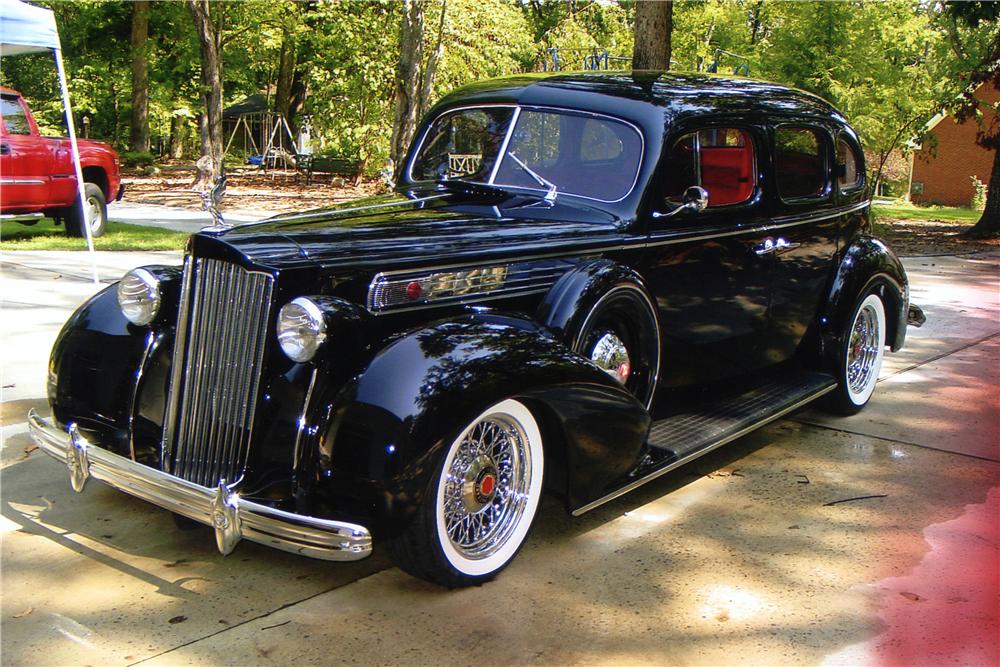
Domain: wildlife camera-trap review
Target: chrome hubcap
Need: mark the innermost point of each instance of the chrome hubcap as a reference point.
(862, 352)
(611, 356)
(486, 488)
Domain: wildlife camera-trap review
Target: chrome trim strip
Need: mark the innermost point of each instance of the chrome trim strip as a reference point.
(300, 431)
(21, 181)
(176, 372)
(222, 508)
(704, 450)
(386, 292)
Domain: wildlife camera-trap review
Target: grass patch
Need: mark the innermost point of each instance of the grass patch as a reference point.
(934, 213)
(46, 235)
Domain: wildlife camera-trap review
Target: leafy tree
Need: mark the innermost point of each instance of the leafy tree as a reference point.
(973, 44)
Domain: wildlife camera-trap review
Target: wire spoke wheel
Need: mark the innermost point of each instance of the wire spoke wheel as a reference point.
(486, 486)
(862, 349)
(861, 362)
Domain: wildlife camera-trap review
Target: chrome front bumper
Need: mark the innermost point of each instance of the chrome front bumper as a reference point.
(233, 518)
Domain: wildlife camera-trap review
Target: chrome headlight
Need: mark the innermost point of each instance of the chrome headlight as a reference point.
(139, 296)
(301, 329)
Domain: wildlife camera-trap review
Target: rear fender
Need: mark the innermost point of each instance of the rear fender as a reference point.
(867, 265)
(382, 435)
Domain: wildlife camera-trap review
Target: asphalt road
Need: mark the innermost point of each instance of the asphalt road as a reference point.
(752, 555)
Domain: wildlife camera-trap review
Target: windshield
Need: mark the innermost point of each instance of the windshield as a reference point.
(557, 152)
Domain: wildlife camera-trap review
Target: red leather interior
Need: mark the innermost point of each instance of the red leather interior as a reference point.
(727, 173)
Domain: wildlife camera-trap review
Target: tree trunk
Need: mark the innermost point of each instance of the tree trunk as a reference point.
(211, 82)
(988, 226)
(286, 75)
(139, 133)
(408, 78)
(430, 69)
(178, 135)
(654, 20)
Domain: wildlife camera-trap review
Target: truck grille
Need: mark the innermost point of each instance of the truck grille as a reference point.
(224, 316)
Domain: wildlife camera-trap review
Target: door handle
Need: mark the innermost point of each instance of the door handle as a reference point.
(4, 149)
(775, 246)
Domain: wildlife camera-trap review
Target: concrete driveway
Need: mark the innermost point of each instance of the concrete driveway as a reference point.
(863, 540)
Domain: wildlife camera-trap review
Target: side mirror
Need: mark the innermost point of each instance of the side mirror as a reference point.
(695, 199)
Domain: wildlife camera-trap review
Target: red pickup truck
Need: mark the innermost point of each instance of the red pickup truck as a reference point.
(37, 178)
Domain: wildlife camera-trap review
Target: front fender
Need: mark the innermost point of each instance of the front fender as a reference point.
(867, 264)
(387, 428)
(100, 361)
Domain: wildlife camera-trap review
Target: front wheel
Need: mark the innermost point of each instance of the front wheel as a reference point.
(480, 504)
(96, 212)
(862, 347)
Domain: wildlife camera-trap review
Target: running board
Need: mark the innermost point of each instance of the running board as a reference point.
(683, 437)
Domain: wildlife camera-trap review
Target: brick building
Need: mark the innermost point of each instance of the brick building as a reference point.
(942, 175)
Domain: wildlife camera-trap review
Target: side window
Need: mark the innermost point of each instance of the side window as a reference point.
(798, 162)
(849, 165)
(721, 160)
(13, 116)
(600, 142)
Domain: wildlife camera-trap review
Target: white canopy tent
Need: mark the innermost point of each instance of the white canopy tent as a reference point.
(25, 28)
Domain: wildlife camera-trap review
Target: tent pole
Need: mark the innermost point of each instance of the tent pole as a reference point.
(76, 161)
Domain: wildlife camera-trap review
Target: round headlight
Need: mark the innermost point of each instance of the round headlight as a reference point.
(139, 296)
(301, 329)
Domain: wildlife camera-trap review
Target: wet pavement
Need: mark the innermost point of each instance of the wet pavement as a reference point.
(817, 540)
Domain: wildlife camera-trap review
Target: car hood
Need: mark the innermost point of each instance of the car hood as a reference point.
(399, 231)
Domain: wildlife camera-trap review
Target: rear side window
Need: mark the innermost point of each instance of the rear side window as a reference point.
(13, 116)
(721, 160)
(798, 162)
(848, 165)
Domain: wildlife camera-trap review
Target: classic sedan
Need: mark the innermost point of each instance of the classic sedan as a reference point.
(579, 283)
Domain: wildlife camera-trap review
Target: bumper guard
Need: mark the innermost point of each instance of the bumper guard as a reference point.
(222, 508)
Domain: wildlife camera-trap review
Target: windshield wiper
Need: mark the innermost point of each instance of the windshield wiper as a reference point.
(550, 196)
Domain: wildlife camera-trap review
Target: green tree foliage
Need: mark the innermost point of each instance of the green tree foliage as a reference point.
(889, 65)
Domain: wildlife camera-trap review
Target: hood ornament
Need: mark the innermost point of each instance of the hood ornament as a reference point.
(211, 201)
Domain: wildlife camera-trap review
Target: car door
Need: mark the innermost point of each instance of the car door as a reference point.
(24, 158)
(802, 235)
(711, 287)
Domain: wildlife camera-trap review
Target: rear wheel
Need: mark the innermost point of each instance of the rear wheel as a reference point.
(862, 348)
(96, 212)
(480, 504)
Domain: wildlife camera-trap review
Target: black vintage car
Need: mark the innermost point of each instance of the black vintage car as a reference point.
(580, 283)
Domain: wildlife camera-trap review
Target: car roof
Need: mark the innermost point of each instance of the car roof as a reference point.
(674, 95)
(8, 91)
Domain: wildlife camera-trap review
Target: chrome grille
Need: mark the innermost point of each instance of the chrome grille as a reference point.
(222, 332)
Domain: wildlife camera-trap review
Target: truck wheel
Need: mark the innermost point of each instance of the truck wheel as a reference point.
(861, 348)
(96, 212)
(480, 503)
